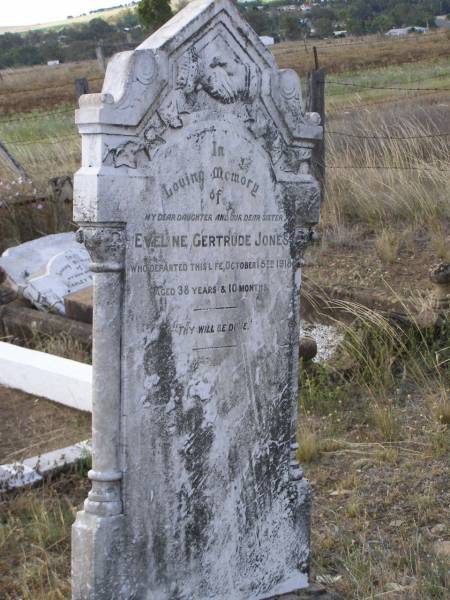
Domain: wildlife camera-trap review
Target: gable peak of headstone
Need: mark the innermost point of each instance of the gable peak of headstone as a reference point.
(207, 53)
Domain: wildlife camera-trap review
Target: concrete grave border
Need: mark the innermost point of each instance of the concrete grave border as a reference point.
(33, 470)
(59, 379)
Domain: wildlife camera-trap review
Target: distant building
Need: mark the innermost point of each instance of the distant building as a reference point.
(52, 63)
(306, 7)
(340, 34)
(267, 40)
(398, 32)
(287, 8)
(405, 30)
(442, 22)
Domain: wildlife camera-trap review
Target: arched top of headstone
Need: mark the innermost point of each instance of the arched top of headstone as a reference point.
(205, 58)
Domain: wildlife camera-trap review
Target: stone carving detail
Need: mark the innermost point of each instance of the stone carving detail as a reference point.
(106, 246)
(222, 77)
(126, 155)
(287, 158)
(225, 78)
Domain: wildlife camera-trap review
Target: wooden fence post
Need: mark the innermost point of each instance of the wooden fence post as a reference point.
(316, 103)
(100, 58)
(13, 163)
(60, 192)
(81, 87)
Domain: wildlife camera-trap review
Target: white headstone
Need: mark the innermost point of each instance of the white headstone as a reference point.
(195, 201)
(47, 269)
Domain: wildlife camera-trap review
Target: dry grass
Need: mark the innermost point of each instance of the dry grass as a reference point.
(43, 88)
(388, 181)
(440, 241)
(35, 539)
(380, 480)
(61, 345)
(386, 421)
(387, 245)
(360, 53)
(309, 446)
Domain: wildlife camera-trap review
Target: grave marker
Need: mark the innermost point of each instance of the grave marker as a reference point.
(195, 201)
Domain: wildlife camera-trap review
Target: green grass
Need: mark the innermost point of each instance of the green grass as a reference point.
(409, 75)
(38, 126)
(46, 144)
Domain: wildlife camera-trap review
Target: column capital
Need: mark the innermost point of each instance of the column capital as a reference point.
(105, 243)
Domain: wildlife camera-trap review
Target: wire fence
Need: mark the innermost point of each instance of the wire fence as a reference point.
(390, 88)
(38, 116)
(16, 142)
(431, 169)
(50, 140)
(388, 137)
(46, 140)
(387, 41)
(46, 88)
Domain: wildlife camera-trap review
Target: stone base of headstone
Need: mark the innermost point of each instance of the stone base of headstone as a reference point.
(78, 305)
(96, 548)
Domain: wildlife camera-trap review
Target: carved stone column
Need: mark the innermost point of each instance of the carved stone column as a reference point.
(97, 531)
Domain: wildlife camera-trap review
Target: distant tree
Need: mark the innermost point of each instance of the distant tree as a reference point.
(259, 20)
(127, 18)
(154, 13)
(99, 28)
(290, 24)
(381, 23)
(179, 5)
(324, 27)
(10, 40)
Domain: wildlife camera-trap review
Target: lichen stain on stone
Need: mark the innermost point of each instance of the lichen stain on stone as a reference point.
(160, 367)
(193, 497)
(159, 547)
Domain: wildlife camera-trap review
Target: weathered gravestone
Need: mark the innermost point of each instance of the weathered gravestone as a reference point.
(195, 201)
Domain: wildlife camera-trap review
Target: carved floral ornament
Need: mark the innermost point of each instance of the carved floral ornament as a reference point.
(202, 80)
(106, 246)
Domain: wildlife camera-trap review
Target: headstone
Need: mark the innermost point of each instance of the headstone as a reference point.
(47, 269)
(195, 201)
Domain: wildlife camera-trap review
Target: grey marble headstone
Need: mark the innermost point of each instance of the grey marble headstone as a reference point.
(195, 201)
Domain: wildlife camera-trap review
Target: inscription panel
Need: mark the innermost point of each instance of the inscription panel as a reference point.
(209, 331)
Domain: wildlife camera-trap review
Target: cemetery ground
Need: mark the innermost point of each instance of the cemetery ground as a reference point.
(374, 421)
(30, 425)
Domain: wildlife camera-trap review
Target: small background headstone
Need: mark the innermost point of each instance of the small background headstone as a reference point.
(46, 270)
